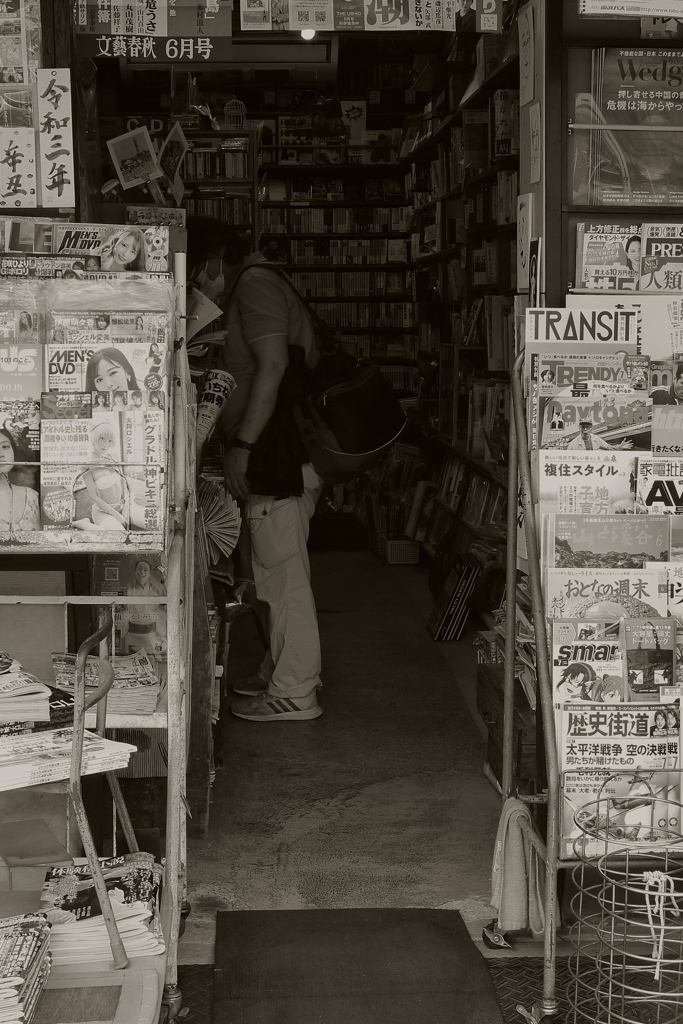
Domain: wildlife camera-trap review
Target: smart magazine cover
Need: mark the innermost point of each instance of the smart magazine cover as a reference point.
(587, 662)
(586, 483)
(606, 542)
(606, 593)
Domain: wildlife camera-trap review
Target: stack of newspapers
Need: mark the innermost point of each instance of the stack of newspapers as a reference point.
(23, 698)
(24, 966)
(135, 690)
(37, 758)
(79, 934)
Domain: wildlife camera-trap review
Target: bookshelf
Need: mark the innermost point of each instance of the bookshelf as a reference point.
(220, 172)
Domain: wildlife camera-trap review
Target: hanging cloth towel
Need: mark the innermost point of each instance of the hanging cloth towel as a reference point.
(518, 878)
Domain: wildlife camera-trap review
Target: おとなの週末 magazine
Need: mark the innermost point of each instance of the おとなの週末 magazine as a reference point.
(606, 593)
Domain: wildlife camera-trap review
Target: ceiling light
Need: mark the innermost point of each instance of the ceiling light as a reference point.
(308, 33)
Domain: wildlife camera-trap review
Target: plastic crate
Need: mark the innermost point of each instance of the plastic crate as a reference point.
(402, 552)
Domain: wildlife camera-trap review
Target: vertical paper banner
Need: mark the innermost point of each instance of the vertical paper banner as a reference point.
(255, 16)
(18, 174)
(349, 15)
(392, 15)
(489, 15)
(55, 138)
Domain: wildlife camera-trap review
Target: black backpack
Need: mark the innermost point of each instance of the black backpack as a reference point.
(351, 416)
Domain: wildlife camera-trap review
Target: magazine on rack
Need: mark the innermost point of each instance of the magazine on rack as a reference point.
(61, 709)
(23, 698)
(586, 483)
(70, 902)
(587, 661)
(599, 806)
(596, 421)
(607, 593)
(629, 167)
(140, 627)
(102, 501)
(674, 589)
(37, 758)
(25, 965)
(662, 259)
(660, 486)
(650, 653)
(667, 430)
(659, 323)
(629, 737)
(605, 541)
(100, 246)
(604, 324)
(608, 256)
(135, 689)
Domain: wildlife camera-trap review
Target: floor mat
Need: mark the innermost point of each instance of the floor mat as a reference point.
(520, 980)
(196, 984)
(390, 966)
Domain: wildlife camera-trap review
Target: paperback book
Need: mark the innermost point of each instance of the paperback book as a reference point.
(607, 593)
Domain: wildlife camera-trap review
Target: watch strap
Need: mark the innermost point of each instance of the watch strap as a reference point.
(246, 445)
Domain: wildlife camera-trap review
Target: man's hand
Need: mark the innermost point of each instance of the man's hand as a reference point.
(625, 445)
(235, 473)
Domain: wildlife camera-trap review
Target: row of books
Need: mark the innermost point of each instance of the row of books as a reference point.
(493, 202)
(370, 346)
(355, 283)
(347, 219)
(214, 163)
(366, 314)
(338, 251)
(234, 211)
(488, 423)
(333, 189)
(635, 257)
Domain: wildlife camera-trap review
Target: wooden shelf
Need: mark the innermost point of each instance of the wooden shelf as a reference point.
(327, 203)
(358, 298)
(488, 469)
(345, 266)
(247, 182)
(338, 234)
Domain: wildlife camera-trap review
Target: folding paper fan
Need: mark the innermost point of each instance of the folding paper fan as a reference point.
(221, 519)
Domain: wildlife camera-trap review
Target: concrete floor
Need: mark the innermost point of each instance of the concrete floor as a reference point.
(381, 802)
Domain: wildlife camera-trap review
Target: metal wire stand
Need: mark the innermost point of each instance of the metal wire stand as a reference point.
(627, 967)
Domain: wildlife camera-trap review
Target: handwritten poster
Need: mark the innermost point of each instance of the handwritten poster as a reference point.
(55, 138)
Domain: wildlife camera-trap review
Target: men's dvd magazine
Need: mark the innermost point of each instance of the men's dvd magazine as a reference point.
(107, 247)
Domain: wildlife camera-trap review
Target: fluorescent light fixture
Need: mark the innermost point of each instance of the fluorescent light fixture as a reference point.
(308, 33)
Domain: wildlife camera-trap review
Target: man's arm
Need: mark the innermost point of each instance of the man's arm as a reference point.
(272, 360)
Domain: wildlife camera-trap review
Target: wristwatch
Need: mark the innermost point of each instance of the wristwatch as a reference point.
(246, 445)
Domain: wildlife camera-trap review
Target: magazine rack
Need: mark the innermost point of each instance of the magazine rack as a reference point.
(148, 985)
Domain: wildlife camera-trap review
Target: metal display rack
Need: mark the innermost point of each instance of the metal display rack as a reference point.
(149, 989)
(607, 983)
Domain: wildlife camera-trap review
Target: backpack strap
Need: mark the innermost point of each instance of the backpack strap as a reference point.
(328, 339)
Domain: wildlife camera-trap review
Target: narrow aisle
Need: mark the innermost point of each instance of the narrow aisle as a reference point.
(381, 802)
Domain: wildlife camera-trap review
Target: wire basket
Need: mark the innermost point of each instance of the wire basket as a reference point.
(627, 965)
(402, 552)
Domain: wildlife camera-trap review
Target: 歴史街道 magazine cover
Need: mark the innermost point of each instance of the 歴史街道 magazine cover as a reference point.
(626, 737)
(606, 593)
(606, 541)
(587, 662)
(608, 257)
(586, 483)
(596, 422)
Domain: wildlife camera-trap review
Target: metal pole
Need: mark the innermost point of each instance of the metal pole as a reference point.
(117, 948)
(548, 1003)
(176, 757)
(510, 619)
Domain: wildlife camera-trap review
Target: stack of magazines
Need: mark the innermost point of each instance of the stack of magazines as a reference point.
(135, 690)
(23, 698)
(37, 758)
(61, 707)
(79, 934)
(24, 966)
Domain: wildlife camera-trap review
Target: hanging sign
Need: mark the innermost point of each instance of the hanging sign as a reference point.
(489, 15)
(351, 15)
(55, 138)
(631, 8)
(147, 48)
